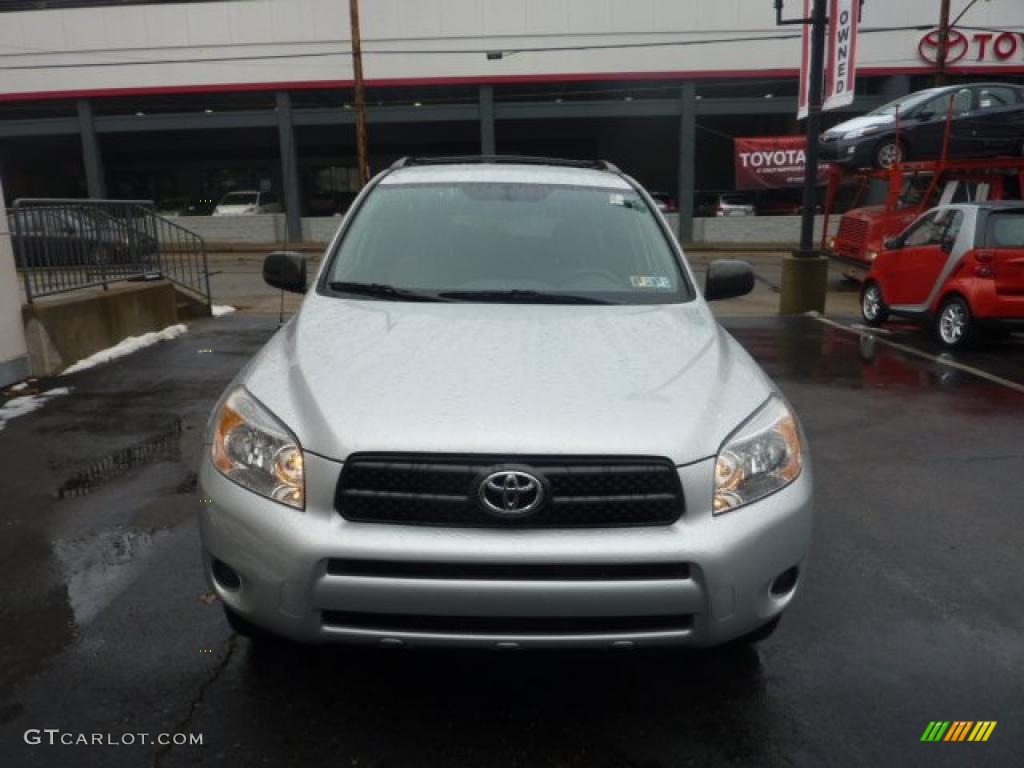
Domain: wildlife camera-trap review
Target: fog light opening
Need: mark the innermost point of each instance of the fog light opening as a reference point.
(785, 582)
(226, 576)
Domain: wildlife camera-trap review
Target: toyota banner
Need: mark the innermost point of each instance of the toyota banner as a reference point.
(772, 162)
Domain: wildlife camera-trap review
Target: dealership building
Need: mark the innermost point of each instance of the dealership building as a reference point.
(185, 101)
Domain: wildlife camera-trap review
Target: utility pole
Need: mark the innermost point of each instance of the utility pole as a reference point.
(805, 272)
(942, 54)
(817, 77)
(362, 158)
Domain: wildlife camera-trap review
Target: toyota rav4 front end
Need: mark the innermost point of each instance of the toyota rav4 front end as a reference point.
(504, 417)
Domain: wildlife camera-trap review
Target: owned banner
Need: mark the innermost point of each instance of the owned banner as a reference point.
(772, 162)
(804, 93)
(841, 71)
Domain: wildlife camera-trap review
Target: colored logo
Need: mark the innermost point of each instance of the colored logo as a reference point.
(958, 730)
(956, 46)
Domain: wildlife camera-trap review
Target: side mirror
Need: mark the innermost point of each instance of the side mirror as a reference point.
(727, 279)
(892, 243)
(285, 270)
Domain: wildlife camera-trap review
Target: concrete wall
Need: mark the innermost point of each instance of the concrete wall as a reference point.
(220, 43)
(265, 228)
(62, 331)
(270, 228)
(771, 230)
(13, 353)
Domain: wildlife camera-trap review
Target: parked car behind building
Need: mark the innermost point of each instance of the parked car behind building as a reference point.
(179, 206)
(665, 202)
(66, 236)
(246, 203)
(725, 204)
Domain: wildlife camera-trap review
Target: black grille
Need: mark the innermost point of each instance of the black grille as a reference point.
(586, 492)
(509, 571)
(507, 625)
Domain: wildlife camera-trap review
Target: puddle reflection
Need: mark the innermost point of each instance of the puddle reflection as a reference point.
(166, 446)
(804, 350)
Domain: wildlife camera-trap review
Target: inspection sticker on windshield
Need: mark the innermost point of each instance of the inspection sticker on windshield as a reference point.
(649, 281)
(632, 203)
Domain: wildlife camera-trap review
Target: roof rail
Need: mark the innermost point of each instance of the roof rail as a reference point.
(601, 165)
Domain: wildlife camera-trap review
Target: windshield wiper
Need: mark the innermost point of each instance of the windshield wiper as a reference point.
(517, 295)
(382, 291)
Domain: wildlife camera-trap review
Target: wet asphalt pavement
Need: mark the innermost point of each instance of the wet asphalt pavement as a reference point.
(912, 610)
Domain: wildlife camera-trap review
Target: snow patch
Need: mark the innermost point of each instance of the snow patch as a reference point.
(221, 309)
(19, 387)
(126, 347)
(19, 406)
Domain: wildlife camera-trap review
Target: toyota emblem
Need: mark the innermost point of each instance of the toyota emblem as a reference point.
(511, 493)
(956, 46)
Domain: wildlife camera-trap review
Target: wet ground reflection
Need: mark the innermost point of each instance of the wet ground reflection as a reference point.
(805, 350)
(450, 708)
(165, 446)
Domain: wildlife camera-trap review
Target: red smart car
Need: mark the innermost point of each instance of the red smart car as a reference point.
(958, 268)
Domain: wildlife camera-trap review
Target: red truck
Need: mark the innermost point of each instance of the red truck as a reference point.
(911, 189)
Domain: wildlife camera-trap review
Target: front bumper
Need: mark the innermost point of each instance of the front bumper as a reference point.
(852, 153)
(294, 582)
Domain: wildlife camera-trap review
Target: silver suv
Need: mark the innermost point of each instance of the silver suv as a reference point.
(505, 417)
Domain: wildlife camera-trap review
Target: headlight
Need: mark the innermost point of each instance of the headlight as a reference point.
(872, 255)
(866, 130)
(253, 448)
(759, 458)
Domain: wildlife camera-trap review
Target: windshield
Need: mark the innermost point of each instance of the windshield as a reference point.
(906, 103)
(458, 239)
(240, 198)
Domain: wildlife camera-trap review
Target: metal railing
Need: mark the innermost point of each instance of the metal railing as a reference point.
(64, 245)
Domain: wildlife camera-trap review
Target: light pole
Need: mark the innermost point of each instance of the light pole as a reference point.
(362, 159)
(945, 25)
(943, 52)
(805, 271)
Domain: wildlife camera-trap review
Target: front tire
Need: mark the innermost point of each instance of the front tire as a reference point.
(954, 325)
(872, 307)
(889, 152)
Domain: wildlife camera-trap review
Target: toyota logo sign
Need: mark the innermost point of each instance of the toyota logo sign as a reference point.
(956, 49)
(511, 493)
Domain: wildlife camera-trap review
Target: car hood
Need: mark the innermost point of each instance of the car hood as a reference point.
(655, 380)
(859, 122)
